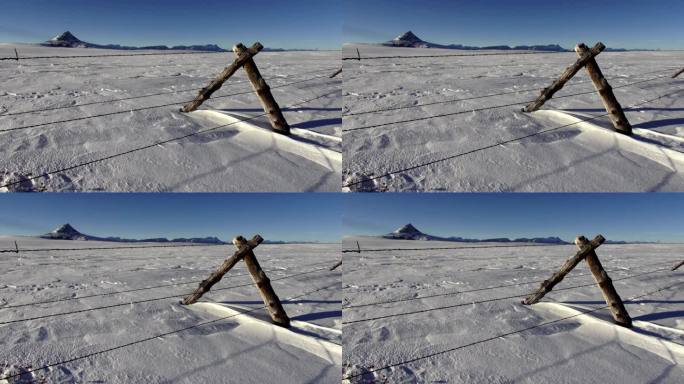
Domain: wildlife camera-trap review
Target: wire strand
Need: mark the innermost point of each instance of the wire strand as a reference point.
(46, 174)
(497, 144)
(499, 336)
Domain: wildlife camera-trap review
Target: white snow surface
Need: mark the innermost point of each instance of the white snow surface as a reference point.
(587, 156)
(244, 348)
(246, 156)
(587, 348)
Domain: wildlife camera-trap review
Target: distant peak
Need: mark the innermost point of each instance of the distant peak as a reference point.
(408, 228)
(66, 36)
(65, 228)
(408, 36)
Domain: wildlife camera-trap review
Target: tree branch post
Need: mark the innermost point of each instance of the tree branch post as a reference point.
(263, 284)
(547, 93)
(605, 91)
(677, 266)
(229, 71)
(569, 264)
(275, 115)
(617, 307)
(227, 265)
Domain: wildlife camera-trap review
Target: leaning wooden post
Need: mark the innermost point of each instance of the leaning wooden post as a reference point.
(230, 262)
(275, 115)
(674, 268)
(334, 267)
(569, 72)
(229, 71)
(336, 73)
(569, 264)
(275, 308)
(617, 308)
(678, 73)
(610, 102)
(16, 54)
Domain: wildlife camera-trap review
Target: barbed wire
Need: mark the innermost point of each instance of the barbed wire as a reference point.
(522, 90)
(155, 144)
(497, 144)
(359, 58)
(492, 107)
(70, 298)
(451, 293)
(149, 300)
(488, 300)
(174, 92)
(176, 103)
(500, 336)
(360, 250)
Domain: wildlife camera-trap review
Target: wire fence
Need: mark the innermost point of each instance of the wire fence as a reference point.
(359, 57)
(517, 296)
(501, 143)
(377, 368)
(155, 144)
(160, 335)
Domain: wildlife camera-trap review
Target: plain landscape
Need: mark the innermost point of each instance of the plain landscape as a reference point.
(117, 313)
(452, 121)
(113, 123)
(455, 315)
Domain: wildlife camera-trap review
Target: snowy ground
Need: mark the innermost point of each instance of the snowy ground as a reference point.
(586, 348)
(588, 156)
(244, 348)
(241, 157)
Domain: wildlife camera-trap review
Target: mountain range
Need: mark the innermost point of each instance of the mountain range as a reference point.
(68, 40)
(67, 232)
(410, 40)
(410, 232)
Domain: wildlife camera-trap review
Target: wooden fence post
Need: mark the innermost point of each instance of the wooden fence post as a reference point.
(230, 262)
(229, 71)
(569, 264)
(617, 308)
(674, 268)
(336, 265)
(605, 91)
(16, 54)
(275, 115)
(569, 72)
(275, 308)
(336, 73)
(678, 73)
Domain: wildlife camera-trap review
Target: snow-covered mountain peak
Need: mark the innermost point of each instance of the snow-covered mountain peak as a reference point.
(409, 37)
(66, 37)
(65, 232)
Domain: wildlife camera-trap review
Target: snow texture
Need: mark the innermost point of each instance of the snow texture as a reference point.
(245, 156)
(585, 349)
(588, 156)
(243, 349)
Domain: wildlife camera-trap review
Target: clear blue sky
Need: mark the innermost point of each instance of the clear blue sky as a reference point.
(630, 217)
(305, 24)
(617, 23)
(286, 216)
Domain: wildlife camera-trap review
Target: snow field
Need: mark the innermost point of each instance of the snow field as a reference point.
(246, 348)
(580, 157)
(462, 297)
(207, 161)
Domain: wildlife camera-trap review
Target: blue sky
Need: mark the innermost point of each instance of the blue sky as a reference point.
(286, 216)
(617, 23)
(630, 217)
(305, 24)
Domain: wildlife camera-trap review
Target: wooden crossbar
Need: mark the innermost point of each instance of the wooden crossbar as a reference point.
(547, 93)
(227, 265)
(605, 91)
(229, 71)
(678, 73)
(587, 252)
